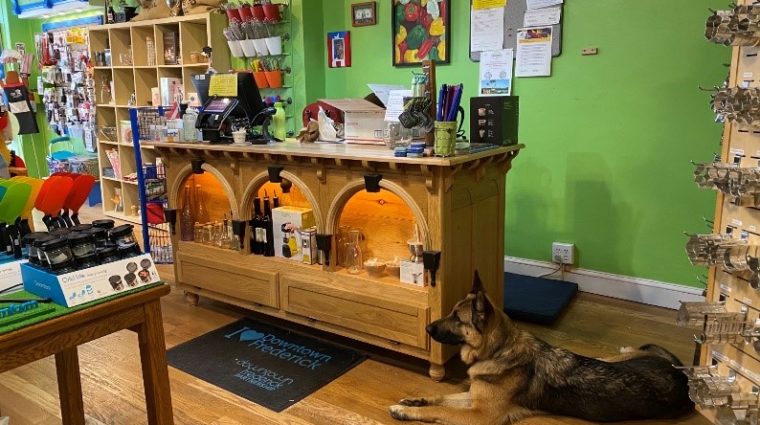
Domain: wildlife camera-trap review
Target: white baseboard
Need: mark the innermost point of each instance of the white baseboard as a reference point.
(629, 288)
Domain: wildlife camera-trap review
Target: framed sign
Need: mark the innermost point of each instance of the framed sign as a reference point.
(364, 14)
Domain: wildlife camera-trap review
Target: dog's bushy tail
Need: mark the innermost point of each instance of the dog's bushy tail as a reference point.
(661, 352)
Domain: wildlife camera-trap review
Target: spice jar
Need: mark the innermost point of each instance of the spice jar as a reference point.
(103, 224)
(81, 228)
(108, 254)
(124, 237)
(30, 251)
(57, 254)
(87, 262)
(132, 267)
(116, 282)
(82, 245)
(144, 275)
(131, 280)
(100, 235)
(37, 247)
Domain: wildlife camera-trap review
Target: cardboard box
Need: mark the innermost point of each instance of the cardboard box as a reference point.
(10, 274)
(287, 221)
(91, 284)
(413, 273)
(363, 120)
(309, 251)
(171, 48)
(494, 120)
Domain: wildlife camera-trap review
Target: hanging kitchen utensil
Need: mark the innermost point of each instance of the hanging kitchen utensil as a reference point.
(53, 194)
(81, 191)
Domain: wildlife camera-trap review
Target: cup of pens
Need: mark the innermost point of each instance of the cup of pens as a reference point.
(445, 138)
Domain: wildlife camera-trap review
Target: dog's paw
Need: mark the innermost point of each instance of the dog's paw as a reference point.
(398, 412)
(414, 402)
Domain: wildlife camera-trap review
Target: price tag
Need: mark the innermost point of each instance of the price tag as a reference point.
(753, 228)
(725, 288)
(736, 151)
(746, 300)
(748, 76)
(736, 222)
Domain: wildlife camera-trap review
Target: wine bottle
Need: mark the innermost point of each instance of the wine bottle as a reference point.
(269, 227)
(257, 235)
(186, 218)
(276, 200)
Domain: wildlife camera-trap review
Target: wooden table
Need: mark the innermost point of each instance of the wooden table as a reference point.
(140, 312)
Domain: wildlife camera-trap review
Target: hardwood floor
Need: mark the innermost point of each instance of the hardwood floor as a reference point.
(113, 392)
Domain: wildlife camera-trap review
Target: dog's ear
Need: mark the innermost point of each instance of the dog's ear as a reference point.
(481, 310)
(477, 285)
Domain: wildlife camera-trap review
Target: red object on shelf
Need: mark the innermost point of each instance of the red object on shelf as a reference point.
(232, 14)
(272, 12)
(245, 12)
(261, 79)
(274, 79)
(258, 12)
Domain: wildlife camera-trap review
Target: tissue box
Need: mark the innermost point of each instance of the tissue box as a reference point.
(91, 284)
(287, 221)
(413, 273)
(10, 274)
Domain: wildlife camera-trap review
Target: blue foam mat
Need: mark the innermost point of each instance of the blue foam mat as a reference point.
(536, 300)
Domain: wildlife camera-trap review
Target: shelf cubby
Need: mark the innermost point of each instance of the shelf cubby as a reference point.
(140, 36)
(163, 31)
(145, 80)
(124, 85)
(121, 46)
(192, 40)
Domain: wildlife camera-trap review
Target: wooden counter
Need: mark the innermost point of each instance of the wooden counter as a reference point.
(457, 203)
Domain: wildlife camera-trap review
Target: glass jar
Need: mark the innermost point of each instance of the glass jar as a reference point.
(103, 224)
(108, 254)
(354, 263)
(340, 245)
(128, 250)
(60, 233)
(58, 255)
(37, 247)
(116, 283)
(28, 248)
(144, 276)
(100, 235)
(87, 262)
(82, 245)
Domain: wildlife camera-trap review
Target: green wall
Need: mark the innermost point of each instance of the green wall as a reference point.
(609, 137)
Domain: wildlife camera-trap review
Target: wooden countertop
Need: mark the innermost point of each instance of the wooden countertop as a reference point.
(339, 151)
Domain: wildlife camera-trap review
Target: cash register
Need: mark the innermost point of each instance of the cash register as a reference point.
(232, 102)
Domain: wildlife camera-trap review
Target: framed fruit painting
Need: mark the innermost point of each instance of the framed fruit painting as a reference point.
(421, 31)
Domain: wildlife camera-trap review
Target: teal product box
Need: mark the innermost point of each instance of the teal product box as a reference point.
(83, 286)
(10, 274)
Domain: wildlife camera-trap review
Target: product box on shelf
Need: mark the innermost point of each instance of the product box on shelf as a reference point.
(91, 284)
(413, 273)
(10, 274)
(287, 222)
(171, 90)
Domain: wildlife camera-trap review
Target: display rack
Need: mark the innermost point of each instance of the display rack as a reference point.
(127, 81)
(456, 203)
(284, 29)
(726, 383)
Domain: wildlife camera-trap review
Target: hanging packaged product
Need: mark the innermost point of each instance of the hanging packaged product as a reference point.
(19, 104)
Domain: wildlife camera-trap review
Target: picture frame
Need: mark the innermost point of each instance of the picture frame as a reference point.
(420, 33)
(339, 49)
(364, 14)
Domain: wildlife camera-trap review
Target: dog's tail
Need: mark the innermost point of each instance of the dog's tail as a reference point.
(661, 352)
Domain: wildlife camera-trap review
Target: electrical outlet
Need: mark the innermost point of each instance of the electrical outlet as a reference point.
(563, 253)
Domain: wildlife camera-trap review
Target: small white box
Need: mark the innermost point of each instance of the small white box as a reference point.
(10, 274)
(363, 120)
(413, 273)
(287, 221)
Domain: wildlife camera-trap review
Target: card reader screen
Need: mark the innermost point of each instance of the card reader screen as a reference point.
(218, 105)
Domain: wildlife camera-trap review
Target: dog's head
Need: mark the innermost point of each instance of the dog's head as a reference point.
(467, 322)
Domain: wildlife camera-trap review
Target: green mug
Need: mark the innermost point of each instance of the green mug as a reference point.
(445, 138)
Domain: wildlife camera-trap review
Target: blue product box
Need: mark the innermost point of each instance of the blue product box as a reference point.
(83, 286)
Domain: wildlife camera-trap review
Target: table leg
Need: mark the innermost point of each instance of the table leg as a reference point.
(69, 386)
(158, 397)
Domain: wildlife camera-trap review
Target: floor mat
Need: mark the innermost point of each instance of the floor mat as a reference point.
(536, 300)
(265, 364)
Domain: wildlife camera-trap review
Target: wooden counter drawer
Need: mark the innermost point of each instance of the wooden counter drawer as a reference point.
(391, 320)
(252, 285)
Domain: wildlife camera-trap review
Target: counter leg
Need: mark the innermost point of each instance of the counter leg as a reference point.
(437, 372)
(158, 399)
(69, 386)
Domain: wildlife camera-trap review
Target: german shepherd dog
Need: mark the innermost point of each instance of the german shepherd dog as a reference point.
(514, 375)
